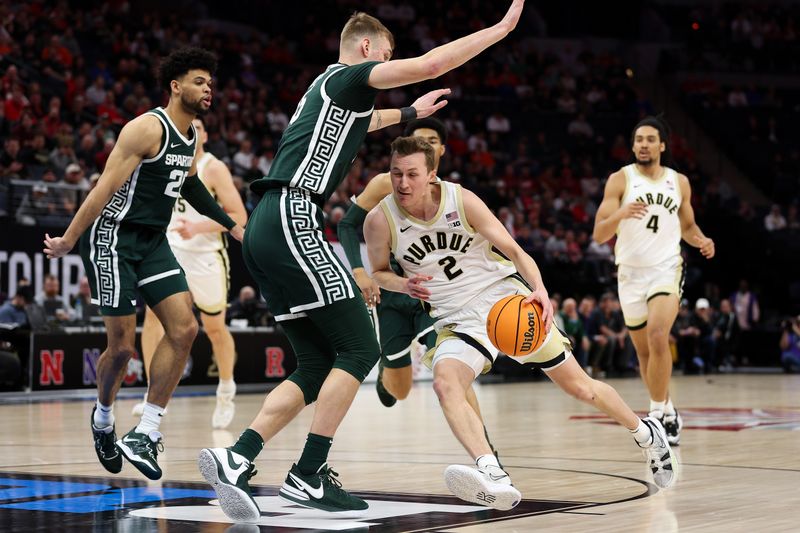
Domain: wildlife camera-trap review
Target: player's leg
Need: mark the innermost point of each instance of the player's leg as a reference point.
(152, 332)
(663, 310)
(456, 364)
(224, 350)
(396, 332)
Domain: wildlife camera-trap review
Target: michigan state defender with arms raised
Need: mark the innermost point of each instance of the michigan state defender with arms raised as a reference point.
(200, 246)
(305, 285)
(121, 226)
(460, 260)
(649, 207)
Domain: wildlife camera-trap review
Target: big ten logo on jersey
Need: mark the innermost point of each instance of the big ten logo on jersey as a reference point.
(52, 367)
(274, 367)
(452, 220)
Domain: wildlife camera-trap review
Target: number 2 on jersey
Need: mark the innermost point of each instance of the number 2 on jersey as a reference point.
(652, 224)
(176, 178)
(449, 263)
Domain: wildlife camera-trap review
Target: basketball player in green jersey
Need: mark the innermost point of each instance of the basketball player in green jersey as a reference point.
(306, 286)
(121, 226)
(648, 207)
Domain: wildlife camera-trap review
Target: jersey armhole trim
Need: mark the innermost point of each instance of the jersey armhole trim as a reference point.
(164, 139)
(392, 229)
(462, 213)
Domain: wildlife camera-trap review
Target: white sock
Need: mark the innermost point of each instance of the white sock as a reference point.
(226, 387)
(487, 460)
(103, 415)
(151, 419)
(642, 433)
(656, 408)
(669, 409)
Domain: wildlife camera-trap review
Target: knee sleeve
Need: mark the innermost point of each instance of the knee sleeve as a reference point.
(310, 381)
(359, 360)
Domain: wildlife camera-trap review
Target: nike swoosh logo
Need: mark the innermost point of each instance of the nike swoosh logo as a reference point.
(316, 493)
(404, 229)
(231, 473)
(497, 478)
(174, 145)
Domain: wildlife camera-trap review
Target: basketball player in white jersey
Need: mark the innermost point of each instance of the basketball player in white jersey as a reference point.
(456, 254)
(649, 207)
(199, 246)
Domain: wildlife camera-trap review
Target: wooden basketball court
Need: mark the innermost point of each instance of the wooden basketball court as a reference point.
(740, 464)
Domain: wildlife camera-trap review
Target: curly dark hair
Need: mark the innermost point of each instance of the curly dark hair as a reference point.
(181, 61)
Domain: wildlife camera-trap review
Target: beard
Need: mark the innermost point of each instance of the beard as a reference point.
(195, 107)
(644, 162)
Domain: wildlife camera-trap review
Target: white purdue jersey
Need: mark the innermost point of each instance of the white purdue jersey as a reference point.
(461, 262)
(655, 238)
(202, 242)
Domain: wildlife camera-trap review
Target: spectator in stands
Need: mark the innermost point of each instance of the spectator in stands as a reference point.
(13, 311)
(61, 157)
(96, 93)
(243, 158)
(573, 327)
(81, 302)
(11, 163)
(41, 201)
(56, 306)
(774, 221)
(498, 123)
(686, 333)
(748, 314)
(703, 320)
(790, 345)
(278, 121)
(608, 337)
(248, 307)
(556, 247)
(579, 128)
(726, 333)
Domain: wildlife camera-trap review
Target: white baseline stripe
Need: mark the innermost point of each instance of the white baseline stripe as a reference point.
(157, 277)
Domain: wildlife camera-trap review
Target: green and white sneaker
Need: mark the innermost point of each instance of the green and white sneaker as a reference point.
(320, 490)
(228, 473)
(141, 451)
(104, 446)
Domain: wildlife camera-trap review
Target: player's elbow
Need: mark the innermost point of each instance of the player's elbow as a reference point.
(431, 67)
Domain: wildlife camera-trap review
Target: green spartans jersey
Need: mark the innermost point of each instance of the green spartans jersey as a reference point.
(325, 132)
(147, 198)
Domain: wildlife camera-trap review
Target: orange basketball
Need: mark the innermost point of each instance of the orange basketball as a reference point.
(515, 328)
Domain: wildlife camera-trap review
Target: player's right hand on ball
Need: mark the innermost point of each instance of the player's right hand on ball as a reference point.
(415, 289)
(633, 210)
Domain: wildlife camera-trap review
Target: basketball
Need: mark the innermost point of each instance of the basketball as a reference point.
(514, 327)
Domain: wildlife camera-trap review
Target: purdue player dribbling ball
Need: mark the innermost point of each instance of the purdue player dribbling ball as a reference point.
(460, 259)
(649, 206)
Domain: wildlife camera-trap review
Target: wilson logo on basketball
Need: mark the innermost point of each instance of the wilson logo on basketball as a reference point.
(529, 334)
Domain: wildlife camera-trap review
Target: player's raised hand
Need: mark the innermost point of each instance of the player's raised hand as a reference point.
(540, 295)
(237, 232)
(56, 246)
(633, 210)
(415, 289)
(509, 22)
(426, 105)
(705, 245)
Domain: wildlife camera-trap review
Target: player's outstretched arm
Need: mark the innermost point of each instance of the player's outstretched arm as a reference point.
(690, 231)
(219, 178)
(140, 138)
(483, 221)
(347, 230)
(444, 58)
(611, 211)
(379, 239)
(424, 106)
(198, 197)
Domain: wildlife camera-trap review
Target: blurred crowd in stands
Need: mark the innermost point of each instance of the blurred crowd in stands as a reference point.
(533, 129)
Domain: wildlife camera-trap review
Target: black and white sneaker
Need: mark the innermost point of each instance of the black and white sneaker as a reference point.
(490, 486)
(228, 473)
(673, 424)
(321, 490)
(142, 451)
(104, 446)
(659, 455)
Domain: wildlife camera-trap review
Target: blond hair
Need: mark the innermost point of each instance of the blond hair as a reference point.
(405, 146)
(362, 25)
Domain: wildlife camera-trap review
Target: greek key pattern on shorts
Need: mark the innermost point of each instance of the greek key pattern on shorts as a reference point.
(102, 243)
(332, 133)
(116, 205)
(313, 248)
